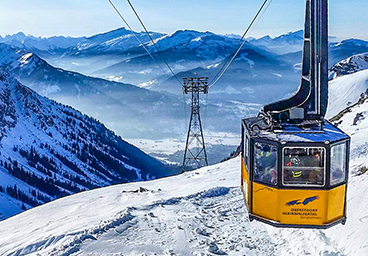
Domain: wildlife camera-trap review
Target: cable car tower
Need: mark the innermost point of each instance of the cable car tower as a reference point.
(195, 151)
(295, 164)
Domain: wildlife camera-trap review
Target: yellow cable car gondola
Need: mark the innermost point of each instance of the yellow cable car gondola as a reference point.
(294, 162)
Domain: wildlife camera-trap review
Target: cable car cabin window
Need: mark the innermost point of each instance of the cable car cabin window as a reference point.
(338, 164)
(265, 156)
(304, 167)
(246, 150)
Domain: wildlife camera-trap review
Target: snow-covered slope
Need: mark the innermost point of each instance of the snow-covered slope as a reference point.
(350, 65)
(169, 206)
(49, 150)
(348, 82)
(354, 121)
(345, 91)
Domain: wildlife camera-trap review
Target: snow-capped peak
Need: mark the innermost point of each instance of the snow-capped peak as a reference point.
(24, 61)
(180, 37)
(24, 58)
(350, 65)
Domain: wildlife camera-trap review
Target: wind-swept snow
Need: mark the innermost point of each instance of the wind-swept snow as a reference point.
(95, 212)
(346, 90)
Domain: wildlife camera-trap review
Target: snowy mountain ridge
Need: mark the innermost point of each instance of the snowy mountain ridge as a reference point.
(19, 61)
(286, 43)
(116, 55)
(350, 65)
(41, 43)
(115, 41)
(49, 150)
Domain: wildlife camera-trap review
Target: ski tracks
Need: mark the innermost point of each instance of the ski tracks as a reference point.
(303, 242)
(213, 222)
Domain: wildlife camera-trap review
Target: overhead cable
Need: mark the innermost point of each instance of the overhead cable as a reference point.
(228, 63)
(132, 31)
(153, 42)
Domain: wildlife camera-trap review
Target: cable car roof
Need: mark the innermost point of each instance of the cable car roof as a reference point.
(295, 134)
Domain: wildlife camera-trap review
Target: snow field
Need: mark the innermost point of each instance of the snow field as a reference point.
(196, 213)
(345, 90)
(70, 218)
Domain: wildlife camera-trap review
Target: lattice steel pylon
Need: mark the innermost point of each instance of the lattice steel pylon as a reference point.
(195, 156)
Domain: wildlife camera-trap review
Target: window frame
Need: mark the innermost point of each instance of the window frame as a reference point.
(246, 150)
(276, 163)
(345, 171)
(304, 185)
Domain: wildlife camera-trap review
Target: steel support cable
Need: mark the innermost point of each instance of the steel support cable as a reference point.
(228, 63)
(153, 42)
(132, 31)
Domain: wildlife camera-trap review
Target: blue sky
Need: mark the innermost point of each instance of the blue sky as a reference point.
(348, 18)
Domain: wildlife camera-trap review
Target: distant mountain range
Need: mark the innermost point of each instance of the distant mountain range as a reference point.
(287, 43)
(72, 53)
(265, 64)
(337, 51)
(118, 56)
(137, 112)
(50, 44)
(132, 107)
(48, 150)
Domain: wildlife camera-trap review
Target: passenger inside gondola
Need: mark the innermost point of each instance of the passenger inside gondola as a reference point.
(303, 166)
(266, 156)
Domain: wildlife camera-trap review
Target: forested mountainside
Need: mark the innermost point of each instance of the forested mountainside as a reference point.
(48, 150)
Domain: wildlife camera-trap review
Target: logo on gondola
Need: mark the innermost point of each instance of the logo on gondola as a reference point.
(304, 202)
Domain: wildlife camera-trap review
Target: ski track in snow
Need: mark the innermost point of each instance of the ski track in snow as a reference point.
(214, 222)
